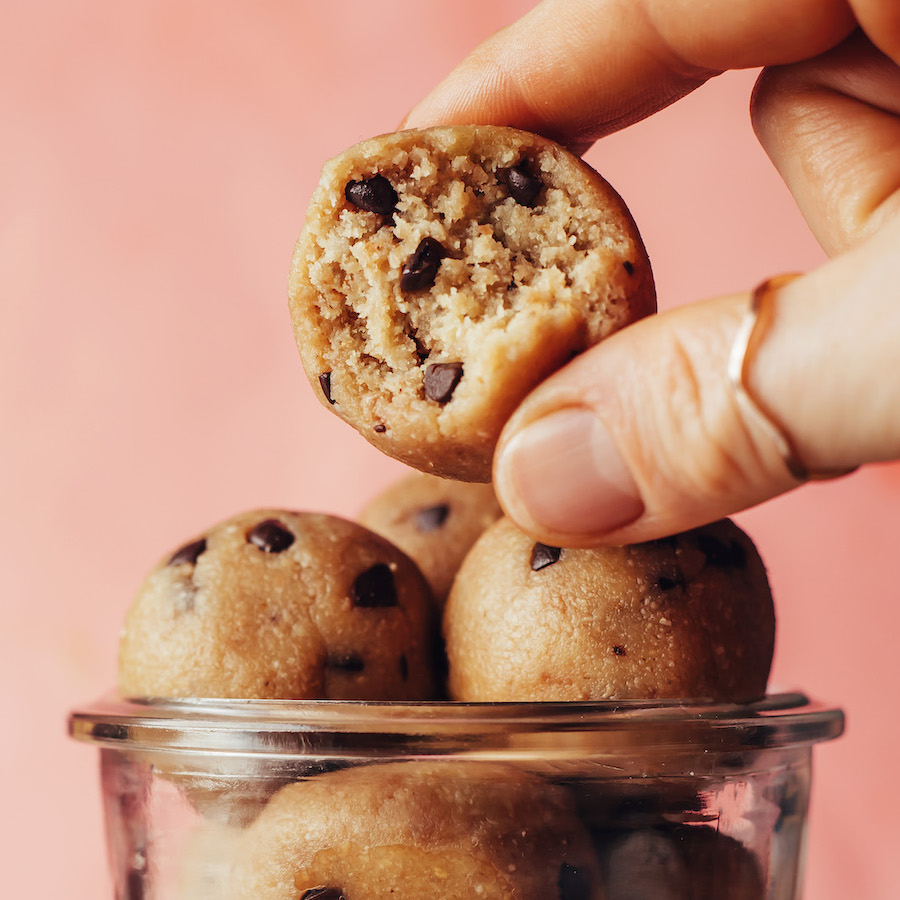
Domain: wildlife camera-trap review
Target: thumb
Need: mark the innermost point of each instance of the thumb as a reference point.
(643, 435)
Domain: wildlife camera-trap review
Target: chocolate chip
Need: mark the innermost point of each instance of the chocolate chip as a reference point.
(375, 194)
(422, 266)
(379, 428)
(432, 517)
(619, 650)
(573, 884)
(523, 186)
(323, 893)
(441, 380)
(374, 588)
(404, 667)
(543, 555)
(348, 662)
(666, 583)
(325, 384)
(628, 267)
(720, 554)
(270, 536)
(188, 553)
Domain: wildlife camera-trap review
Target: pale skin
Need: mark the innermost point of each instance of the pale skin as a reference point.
(656, 454)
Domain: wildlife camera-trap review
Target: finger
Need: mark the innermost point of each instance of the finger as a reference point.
(832, 128)
(642, 436)
(574, 70)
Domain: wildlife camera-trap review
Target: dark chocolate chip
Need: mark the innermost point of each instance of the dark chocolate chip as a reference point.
(347, 662)
(325, 384)
(375, 587)
(720, 554)
(188, 553)
(523, 186)
(432, 517)
(271, 536)
(667, 583)
(323, 893)
(628, 267)
(573, 884)
(422, 266)
(375, 194)
(379, 428)
(543, 555)
(441, 380)
(619, 650)
(404, 667)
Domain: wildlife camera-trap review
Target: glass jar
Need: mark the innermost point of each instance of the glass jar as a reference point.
(316, 800)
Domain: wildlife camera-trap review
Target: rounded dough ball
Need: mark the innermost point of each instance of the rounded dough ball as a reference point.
(277, 604)
(689, 616)
(435, 521)
(413, 830)
(443, 273)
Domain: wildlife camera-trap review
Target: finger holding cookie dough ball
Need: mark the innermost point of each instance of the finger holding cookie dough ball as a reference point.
(443, 273)
(689, 616)
(435, 521)
(274, 604)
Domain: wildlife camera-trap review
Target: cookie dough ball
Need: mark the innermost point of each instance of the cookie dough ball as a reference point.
(682, 863)
(276, 604)
(435, 521)
(644, 864)
(684, 617)
(443, 273)
(412, 830)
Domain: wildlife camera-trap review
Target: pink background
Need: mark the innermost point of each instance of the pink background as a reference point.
(156, 161)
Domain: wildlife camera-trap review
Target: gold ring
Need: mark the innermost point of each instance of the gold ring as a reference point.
(750, 334)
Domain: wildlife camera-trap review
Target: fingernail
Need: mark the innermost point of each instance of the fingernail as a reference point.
(565, 473)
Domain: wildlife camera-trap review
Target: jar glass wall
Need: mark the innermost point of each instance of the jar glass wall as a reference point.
(576, 801)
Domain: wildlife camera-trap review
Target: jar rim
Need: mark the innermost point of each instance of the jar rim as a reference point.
(356, 728)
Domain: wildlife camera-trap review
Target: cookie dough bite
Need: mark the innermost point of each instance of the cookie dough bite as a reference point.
(278, 604)
(435, 521)
(412, 830)
(688, 617)
(443, 273)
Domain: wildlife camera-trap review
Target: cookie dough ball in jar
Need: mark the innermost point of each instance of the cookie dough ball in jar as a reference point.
(443, 273)
(435, 521)
(278, 604)
(689, 616)
(414, 830)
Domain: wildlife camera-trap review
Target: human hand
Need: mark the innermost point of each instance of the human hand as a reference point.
(643, 435)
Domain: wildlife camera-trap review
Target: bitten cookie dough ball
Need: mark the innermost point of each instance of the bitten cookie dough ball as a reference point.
(435, 521)
(685, 617)
(443, 273)
(415, 830)
(277, 604)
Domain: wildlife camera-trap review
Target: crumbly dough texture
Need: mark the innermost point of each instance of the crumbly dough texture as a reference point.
(522, 285)
(684, 617)
(337, 613)
(412, 830)
(435, 521)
